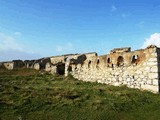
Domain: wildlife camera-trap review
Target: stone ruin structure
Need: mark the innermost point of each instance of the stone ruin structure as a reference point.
(136, 69)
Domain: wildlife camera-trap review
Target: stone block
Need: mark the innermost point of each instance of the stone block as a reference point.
(132, 86)
(120, 79)
(153, 75)
(152, 63)
(147, 69)
(153, 59)
(154, 69)
(117, 73)
(136, 77)
(155, 82)
(154, 54)
(114, 79)
(37, 66)
(151, 88)
(116, 84)
(141, 76)
(128, 80)
(138, 72)
(138, 87)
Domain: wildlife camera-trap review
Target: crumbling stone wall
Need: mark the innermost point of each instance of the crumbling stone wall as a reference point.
(137, 69)
(8, 65)
(59, 63)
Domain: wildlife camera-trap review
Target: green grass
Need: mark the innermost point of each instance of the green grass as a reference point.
(27, 94)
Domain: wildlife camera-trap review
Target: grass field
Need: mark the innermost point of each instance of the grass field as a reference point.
(31, 95)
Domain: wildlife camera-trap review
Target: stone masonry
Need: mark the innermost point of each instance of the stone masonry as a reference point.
(136, 69)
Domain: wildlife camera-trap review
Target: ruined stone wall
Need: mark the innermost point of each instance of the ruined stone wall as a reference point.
(137, 69)
(9, 65)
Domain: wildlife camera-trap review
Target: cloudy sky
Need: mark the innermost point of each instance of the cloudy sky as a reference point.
(37, 28)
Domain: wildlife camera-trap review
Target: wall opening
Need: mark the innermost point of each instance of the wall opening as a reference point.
(112, 67)
(108, 60)
(61, 68)
(120, 61)
(98, 62)
(89, 64)
(135, 59)
(76, 68)
(69, 69)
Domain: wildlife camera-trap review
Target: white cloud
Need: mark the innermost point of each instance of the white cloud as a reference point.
(113, 8)
(154, 39)
(8, 55)
(8, 42)
(11, 49)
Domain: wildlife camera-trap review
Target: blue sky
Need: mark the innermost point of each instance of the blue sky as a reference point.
(37, 28)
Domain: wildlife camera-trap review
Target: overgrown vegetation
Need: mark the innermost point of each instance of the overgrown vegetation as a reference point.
(31, 95)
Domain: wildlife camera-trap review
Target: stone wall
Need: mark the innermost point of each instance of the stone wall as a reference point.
(137, 69)
(8, 65)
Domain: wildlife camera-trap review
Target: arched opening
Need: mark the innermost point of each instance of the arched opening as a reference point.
(70, 69)
(89, 64)
(108, 60)
(61, 68)
(65, 59)
(97, 66)
(98, 61)
(76, 68)
(112, 66)
(120, 61)
(135, 59)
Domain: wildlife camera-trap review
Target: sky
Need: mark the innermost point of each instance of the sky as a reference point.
(31, 29)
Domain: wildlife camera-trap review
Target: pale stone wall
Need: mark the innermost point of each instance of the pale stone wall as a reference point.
(57, 59)
(36, 66)
(9, 65)
(137, 69)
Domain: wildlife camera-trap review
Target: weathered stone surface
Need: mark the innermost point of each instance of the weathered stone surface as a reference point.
(153, 75)
(154, 69)
(48, 67)
(149, 82)
(116, 84)
(140, 68)
(147, 69)
(9, 65)
(152, 59)
(155, 82)
(37, 66)
(152, 63)
(151, 88)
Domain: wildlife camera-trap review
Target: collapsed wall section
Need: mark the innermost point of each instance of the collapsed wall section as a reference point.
(137, 69)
